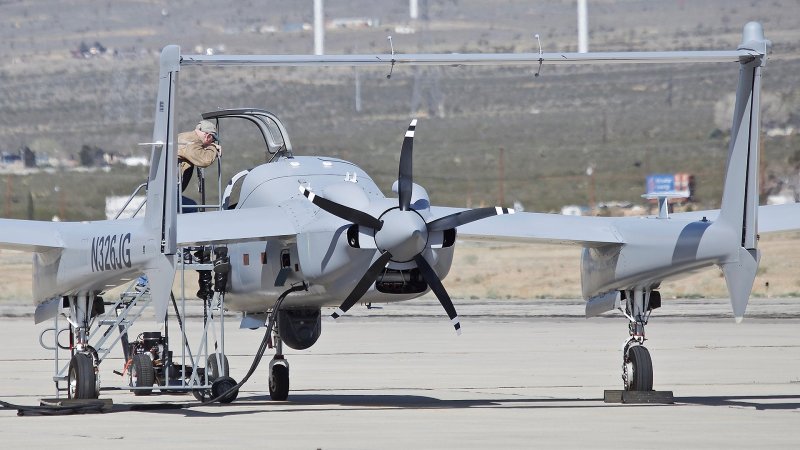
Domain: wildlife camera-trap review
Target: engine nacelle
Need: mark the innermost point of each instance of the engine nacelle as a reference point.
(299, 328)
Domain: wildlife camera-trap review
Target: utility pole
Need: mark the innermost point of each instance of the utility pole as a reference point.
(358, 90)
(31, 211)
(61, 210)
(8, 197)
(583, 27)
(501, 166)
(590, 173)
(319, 28)
(426, 81)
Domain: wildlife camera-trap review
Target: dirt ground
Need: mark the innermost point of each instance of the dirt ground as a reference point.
(482, 270)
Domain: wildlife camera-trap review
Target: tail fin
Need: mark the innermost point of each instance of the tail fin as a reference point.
(739, 208)
(162, 187)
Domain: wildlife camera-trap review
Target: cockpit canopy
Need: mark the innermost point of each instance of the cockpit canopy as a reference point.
(272, 130)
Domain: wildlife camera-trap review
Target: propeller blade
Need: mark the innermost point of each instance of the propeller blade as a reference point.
(363, 284)
(436, 286)
(405, 178)
(341, 211)
(460, 218)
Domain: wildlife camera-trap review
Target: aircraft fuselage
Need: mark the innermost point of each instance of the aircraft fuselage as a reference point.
(654, 250)
(95, 256)
(321, 254)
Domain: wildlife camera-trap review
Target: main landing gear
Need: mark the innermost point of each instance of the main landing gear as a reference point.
(83, 381)
(637, 366)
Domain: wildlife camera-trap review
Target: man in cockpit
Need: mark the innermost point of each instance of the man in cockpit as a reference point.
(197, 148)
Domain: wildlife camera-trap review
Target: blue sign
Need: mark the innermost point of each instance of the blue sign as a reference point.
(660, 182)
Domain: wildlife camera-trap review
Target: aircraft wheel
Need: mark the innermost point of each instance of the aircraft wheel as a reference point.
(213, 367)
(141, 374)
(639, 368)
(279, 382)
(82, 379)
(222, 385)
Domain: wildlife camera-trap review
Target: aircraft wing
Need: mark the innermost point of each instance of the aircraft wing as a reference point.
(235, 225)
(589, 231)
(29, 235)
(771, 218)
(538, 227)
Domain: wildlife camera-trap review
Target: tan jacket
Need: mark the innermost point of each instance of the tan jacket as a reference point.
(192, 153)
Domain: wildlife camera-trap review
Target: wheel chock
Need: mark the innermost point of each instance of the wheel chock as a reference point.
(638, 397)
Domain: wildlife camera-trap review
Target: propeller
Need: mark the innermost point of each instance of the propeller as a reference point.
(401, 233)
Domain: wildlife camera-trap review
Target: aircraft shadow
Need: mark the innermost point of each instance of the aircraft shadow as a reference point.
(371, 402)
(323, 402)
(759, 402)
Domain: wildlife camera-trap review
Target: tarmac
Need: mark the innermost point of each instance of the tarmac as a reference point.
(524, 374)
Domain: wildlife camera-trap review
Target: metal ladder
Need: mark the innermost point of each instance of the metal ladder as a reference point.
(119, 315)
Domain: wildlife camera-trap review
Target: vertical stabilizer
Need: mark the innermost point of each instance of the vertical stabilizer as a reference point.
(162, 188)
(739, 277)
(162, 185)
(740, 192)
(739, 209)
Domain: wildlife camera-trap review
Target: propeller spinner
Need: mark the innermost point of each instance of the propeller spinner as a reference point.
(401, 233)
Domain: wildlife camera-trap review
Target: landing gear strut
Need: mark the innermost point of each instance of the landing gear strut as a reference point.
(279, 366)
(637, 366)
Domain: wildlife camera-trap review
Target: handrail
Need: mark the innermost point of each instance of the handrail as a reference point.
(130, 199)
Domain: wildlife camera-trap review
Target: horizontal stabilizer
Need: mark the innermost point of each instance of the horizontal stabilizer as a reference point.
(739, 277)
(472, 59)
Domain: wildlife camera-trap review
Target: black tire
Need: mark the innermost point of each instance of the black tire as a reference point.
(141, 374)
(279, 383)
(201, 394)
(82, 379)
(642, 368)
(222, 385)
(213, 368)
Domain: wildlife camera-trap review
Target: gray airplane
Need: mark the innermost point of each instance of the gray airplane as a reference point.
(320, 229)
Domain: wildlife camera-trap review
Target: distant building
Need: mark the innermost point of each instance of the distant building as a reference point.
(9, 159)
(354, 22)
(22, 158)
(133, 161)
